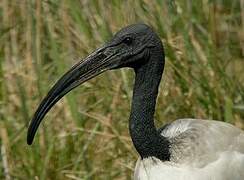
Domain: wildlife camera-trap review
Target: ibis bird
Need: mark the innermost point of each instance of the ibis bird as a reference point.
(186, 149)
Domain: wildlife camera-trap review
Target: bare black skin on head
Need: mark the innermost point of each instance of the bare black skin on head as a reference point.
(136, 46)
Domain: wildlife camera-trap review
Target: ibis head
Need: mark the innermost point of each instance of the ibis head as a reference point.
(130, 47)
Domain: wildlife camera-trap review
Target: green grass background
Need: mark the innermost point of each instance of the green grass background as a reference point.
(85, 136)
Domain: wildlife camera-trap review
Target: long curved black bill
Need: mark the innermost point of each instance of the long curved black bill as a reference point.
(93, 65)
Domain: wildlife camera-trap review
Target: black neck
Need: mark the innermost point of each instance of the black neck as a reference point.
(147, 140)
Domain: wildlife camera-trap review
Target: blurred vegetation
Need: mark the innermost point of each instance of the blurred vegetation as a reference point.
(85, 136)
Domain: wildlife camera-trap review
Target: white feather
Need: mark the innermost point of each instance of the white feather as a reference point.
(200, 150)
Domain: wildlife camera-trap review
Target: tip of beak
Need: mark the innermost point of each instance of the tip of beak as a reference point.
(29, 140)
(30, 136)
(29, 143)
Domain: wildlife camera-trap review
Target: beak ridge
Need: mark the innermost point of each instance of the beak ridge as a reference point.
(93, 65)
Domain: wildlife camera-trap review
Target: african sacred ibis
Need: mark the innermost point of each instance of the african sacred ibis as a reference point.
(186, 149)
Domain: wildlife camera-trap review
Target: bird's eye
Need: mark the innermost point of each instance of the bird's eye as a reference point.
(127, 40)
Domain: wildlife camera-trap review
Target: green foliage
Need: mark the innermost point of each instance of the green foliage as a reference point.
(85, 136)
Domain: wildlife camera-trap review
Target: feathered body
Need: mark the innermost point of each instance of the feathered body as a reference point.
(200, 150)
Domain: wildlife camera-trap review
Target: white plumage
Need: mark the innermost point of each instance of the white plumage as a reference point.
(200, 150)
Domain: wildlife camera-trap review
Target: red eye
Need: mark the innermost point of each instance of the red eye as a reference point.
(128, 40)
